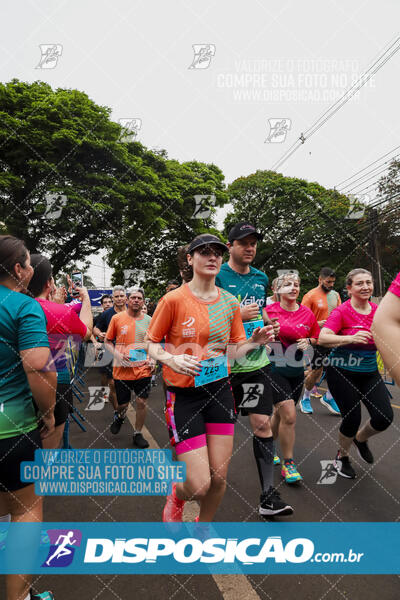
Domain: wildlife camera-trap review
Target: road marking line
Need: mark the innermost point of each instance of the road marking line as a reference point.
(232, 587)
(235, 587)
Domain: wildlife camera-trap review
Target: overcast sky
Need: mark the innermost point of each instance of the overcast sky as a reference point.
(268, 60)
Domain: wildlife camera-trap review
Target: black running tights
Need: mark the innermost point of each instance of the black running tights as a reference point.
(350, 389)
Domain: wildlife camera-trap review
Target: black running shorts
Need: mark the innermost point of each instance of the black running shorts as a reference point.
(286, 388)
(64, 403)
(124, 388)
(193, 413)
(253, 391)
(13, 451)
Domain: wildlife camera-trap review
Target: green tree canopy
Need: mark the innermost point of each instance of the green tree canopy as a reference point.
(388, 231)
(305, 226)
(65, 176)
(72, 183)
(153, 247)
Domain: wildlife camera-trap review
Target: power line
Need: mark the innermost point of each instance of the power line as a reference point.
(363, 79)
(363, 227)
(365, 181)
(369, 187)
(365, 177)
(359, 80)
(338, 185)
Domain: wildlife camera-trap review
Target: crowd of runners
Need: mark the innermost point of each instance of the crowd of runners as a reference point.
(227, 347)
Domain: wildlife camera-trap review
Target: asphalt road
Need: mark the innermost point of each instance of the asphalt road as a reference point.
(373, 496)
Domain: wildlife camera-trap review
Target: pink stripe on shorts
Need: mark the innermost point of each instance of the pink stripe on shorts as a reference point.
(199, 441)
(220, 428)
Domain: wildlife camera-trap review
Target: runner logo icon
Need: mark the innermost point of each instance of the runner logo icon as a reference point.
(328, 473)
(98, 397)
(278, 129)
(130, 129)
(203, 54)
(203, 206)
(54, 205)
(50, 55)
(61, 551)
(252, 393)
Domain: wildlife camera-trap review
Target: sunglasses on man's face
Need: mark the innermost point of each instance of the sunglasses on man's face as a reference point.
(210, 251)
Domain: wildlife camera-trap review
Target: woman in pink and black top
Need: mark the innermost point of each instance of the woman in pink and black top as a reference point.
(63, 326)
(386, 329)
(353, 375)
(298, 331)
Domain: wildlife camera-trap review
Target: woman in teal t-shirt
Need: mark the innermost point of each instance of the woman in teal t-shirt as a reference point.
(24, 352)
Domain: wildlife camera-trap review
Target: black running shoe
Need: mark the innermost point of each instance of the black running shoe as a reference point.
(139, 441)
(116, 424)
(272, 504)
(343, 466)
(364, 451)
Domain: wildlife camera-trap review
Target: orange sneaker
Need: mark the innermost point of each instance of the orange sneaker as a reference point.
(173, 509)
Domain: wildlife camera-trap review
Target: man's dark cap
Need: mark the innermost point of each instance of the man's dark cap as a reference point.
(205, 240)
(241, 230)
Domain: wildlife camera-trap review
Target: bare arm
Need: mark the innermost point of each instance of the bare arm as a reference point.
(188, 364)
(86, 312)
(386, 331)
(303, 343)
(331, 340)
(43, 384)
(260, 337)
(122, 360)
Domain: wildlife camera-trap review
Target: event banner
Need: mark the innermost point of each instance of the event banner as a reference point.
(199, 548)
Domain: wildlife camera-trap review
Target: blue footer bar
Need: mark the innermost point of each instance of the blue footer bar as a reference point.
(196, 548)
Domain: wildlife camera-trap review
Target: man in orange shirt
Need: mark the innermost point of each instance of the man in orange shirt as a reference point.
(321, 300)
(132, 369)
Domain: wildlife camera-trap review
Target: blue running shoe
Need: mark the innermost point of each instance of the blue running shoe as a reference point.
(330, 405)
(305, 406)
(42, 596)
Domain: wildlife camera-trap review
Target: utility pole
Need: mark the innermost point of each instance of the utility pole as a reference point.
(374, 252)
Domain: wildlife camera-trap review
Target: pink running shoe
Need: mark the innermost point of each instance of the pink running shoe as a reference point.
(173, 509)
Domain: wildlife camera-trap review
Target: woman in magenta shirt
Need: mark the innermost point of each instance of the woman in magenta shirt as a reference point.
(298, 331)
(386, 329)
(63, 327)
(352, 374)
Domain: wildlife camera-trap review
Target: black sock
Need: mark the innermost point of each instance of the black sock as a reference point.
(264, 455)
